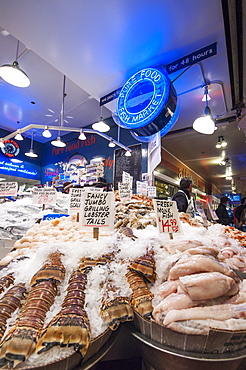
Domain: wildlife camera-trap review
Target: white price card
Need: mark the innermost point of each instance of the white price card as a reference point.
(126, 177)
(8, 189)
(44, 196)
(21, 189)
(151, 191)
(75, 199)
(97, 210)
(142, 187)
(125, 191)
(93, 189)
(167, 216)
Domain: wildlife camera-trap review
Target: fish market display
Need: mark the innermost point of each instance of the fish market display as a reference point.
(18, 216)
(68, 288)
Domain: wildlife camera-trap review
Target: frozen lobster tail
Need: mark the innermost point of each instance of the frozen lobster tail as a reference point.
(6, 281)
(115, 310)
(10, 301)
(141, 300)
(145, 266)
(20, 342)
(70, 327)
(140, 272)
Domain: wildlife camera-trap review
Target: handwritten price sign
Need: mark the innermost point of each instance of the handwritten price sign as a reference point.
(8, 189)
(44, 196)
(167, 217)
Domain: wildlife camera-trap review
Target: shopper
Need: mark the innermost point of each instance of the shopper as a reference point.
(66, 187)
(183, 197)
(238, 212)
(222, 213)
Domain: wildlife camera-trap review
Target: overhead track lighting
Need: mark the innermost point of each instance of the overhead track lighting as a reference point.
(46, 133)
(101, 126)
(58, 141)
(18, 136)
(13, 74)
(31, 153)
(205, 124)
(82, 135)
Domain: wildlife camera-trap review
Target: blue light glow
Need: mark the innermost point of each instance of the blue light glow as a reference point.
(143, 97)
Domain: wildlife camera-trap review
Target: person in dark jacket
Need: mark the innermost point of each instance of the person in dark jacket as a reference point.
(183, 196)
(238, 212)
(221, 212)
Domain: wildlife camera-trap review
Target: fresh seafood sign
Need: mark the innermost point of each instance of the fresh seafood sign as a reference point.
(125, 191)
(75, 199)
(167, 217)
(97, 210)
(8, 189)
(44, 196)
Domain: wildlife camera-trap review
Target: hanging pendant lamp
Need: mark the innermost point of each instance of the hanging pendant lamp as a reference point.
(13, 74)
(31, 153)
(101, 126)
(205, 124)
(58, 142)
(46, 133)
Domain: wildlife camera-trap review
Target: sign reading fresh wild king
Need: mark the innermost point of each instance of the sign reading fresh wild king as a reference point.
(44, 196)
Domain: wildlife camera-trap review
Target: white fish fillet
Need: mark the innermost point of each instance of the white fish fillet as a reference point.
(182, 245)
(199, 263)
(220, 312)
(208, 285)
(174, 301)
(204, 326)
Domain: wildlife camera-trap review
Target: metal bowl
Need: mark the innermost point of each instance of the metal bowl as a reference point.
(157, 356)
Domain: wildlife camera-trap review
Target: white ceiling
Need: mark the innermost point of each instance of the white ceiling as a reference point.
(97, 45)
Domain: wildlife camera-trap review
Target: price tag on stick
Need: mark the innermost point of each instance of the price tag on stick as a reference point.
(167, 217)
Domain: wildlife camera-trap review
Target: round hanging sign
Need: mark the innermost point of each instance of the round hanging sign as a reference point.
(11, 148)
(147, 103)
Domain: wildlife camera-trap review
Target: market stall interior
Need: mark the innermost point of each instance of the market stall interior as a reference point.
(99, 45)
(95, 271)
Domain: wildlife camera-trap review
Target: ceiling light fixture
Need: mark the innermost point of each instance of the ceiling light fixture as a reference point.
(111, 143)
(206, 93)
(101, 126)
(58, 142)
(205, 124)
(128, 153)
(13, 74)
(18, 136)
(221, 142)
(15, 160)
(46, 133)
(82, 135)
(31, 153)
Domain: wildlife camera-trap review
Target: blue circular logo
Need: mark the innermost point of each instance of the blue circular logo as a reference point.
(142, 97)
(11, 148)
(147, 104)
